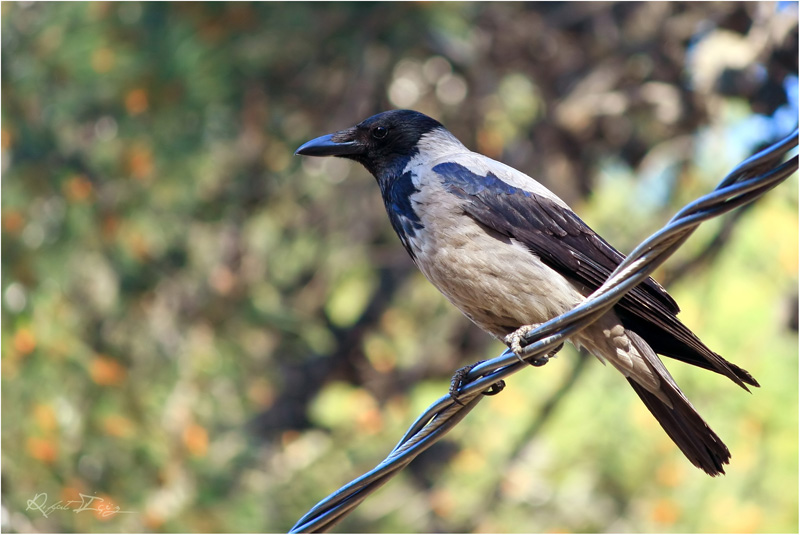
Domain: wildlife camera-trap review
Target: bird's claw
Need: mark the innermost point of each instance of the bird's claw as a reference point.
(495, 389)
(458, 381)
(539, 361)
(514, 341)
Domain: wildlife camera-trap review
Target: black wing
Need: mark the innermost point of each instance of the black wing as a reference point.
(567, 245)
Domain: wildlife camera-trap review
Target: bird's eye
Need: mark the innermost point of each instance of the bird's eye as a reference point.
(380, 132)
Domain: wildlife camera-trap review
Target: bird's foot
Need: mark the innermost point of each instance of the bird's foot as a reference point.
(460, 376)
(514, 340)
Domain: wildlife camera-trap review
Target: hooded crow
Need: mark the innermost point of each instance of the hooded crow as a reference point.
(509, 253)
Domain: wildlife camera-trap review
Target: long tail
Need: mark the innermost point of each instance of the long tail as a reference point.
(680, 420)
(667, 336)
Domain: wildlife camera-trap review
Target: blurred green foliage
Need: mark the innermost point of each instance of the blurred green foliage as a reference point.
(212, 334)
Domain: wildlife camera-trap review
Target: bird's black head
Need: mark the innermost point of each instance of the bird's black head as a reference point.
(383, 143)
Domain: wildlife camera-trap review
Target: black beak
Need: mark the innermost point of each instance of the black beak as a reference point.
(326, 146)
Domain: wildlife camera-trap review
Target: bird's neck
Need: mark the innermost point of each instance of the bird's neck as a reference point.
(390, 171)
(436, 144)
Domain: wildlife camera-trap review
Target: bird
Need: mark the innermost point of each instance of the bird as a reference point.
(510, 254)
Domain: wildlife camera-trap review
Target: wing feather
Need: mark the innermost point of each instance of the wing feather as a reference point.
(566, 244)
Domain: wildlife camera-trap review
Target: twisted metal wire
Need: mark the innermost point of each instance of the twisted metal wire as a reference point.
(748, 181)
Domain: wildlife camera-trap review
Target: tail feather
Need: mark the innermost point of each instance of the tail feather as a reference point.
(671, 338)
(687, 429)
(678, 418)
